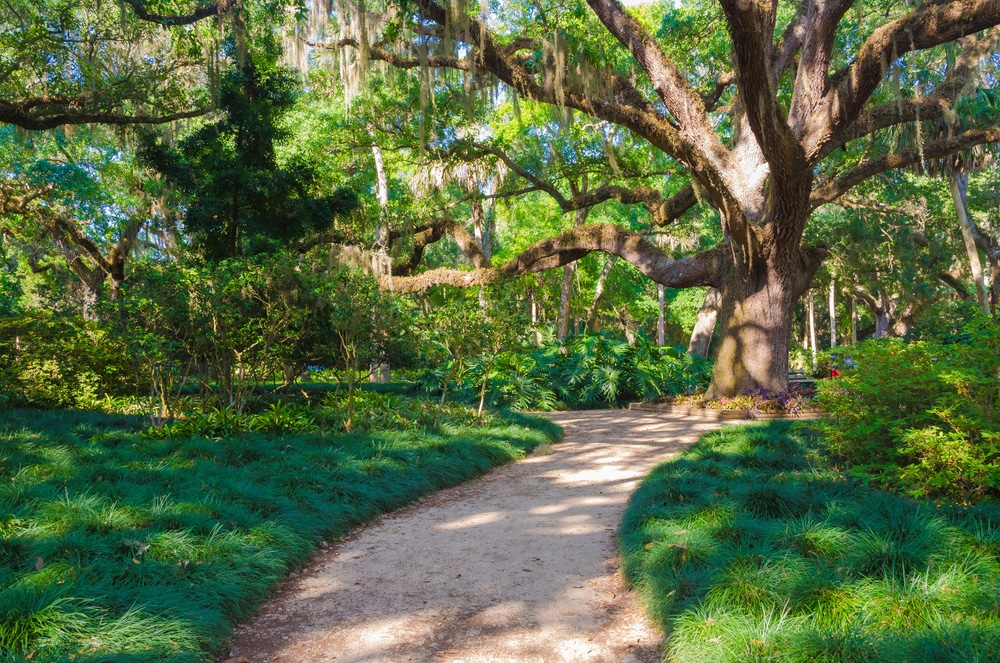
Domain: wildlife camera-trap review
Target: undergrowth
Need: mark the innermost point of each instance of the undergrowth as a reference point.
(119, 546)
(751, 547)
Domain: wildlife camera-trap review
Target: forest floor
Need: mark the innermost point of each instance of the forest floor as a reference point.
(518, 565)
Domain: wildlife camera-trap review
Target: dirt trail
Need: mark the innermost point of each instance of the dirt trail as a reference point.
(518, 565)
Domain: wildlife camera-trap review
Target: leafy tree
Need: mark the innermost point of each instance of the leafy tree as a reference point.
(756, 101)
(239, 200)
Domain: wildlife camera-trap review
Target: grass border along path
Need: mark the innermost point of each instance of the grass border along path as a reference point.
(115, 546)
(752, 547)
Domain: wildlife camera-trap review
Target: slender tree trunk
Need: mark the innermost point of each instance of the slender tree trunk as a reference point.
(382, 195)
(833, 313)
(534, 319)
(812, 328)
(661, 335)
(599, 292)
(854, 321)
(565, 294)
(380, 371)
(569, 272)
(959, 184)
(704, 325)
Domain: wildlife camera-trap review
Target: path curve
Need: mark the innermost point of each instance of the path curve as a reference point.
(518, 565)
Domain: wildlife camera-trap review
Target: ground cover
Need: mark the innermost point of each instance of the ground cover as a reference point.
(120, 545)
(798, 399)
(752, 546)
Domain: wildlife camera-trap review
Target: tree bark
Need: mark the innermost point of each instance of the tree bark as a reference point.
(599, 292)
(758, 301)
(833, 313)
(959, 184)
(382, 195)
(565, 295)
(854, 321)
(812, 328)
(660, 322)
(704, 325)
(569, 273)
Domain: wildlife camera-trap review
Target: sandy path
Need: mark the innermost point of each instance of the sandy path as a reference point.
(518, 565)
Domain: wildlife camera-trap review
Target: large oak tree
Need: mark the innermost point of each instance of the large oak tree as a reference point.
(762, 141)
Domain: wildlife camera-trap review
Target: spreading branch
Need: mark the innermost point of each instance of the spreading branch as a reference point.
(705, 268)
(40, 113)
(427, 234)
(214, 9)
(832, 190)
(931, 24)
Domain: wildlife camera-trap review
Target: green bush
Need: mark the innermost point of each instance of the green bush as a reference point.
(921, 417)
(589, 369)
(49, 360)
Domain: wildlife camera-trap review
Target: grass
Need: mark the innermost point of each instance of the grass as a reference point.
(118, 546)
(751, 547)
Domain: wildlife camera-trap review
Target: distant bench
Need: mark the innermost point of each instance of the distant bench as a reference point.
(800, 378)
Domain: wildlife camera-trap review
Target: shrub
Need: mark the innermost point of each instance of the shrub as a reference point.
(49, 360)
(586, 370)
(921, 417)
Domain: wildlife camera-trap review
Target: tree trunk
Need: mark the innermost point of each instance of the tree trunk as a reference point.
(565, 294)
(883, 322)
(534, 319)
(704, 325)
(382, 195)
(854, 321)
(833, 313)
(660, 322)
(812, 328)
(599, 292)
(756, 318)
(959, 184)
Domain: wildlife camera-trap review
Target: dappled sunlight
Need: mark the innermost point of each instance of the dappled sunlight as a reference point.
(472, 521)
(514, 566)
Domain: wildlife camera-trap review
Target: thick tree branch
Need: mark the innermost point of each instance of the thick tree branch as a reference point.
(812, 78)
(624, 107)
(704, 268)
(931, 24)
(429, 233)
(751, 25)
(830, 191)
(955, 285)
(955, 84)
(42, 113)
(681, 100)
(214, 9)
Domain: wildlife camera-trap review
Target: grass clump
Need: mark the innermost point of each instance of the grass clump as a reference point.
(739, 559)
(117, 545)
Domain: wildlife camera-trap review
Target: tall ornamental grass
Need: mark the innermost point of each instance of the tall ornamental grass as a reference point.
(117, 545)
(751, 547)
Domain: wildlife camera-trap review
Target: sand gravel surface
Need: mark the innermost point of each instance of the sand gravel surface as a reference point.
(518, 565)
